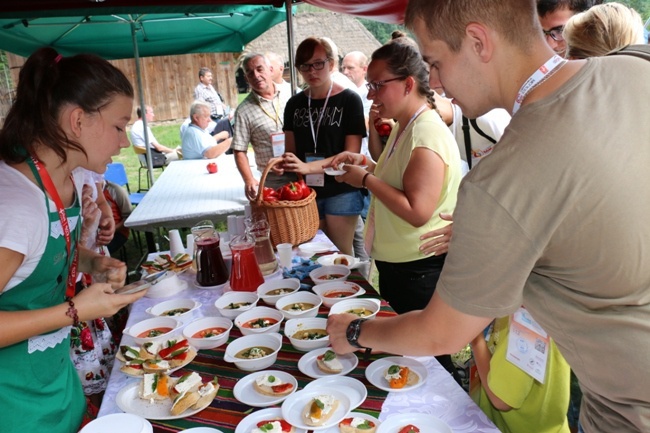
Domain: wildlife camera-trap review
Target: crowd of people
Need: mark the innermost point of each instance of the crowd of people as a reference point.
(503, 190)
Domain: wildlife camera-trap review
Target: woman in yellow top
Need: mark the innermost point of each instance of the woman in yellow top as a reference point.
(415, 179)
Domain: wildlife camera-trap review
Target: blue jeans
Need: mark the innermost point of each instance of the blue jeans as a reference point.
(346, 204)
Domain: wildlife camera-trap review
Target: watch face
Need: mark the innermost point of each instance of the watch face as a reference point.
(353, 331)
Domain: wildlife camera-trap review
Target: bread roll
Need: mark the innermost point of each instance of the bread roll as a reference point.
(319, 410)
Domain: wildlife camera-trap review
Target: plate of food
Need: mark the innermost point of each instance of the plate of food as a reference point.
(159, 396)
(266, 420)
(353, 388)
(151, 357)
(316, 409)
(324, 362)
(413, 423)
(265, 388)
(165, 262)
(355, 422)
(339, 259)
(396, 374)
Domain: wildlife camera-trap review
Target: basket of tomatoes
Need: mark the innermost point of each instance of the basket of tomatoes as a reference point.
(290, 210)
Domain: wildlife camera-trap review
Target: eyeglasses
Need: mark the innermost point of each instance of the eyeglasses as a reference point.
(555, 33)
(376, 85)
(318, 65)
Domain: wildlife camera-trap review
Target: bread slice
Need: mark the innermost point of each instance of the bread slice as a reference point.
(328, 363)
(345, 426)
(280, 388)
(189, 356)
(207, 393)
(133, 368)
(155, 366)
(184, 401)
(189, 382)
(314, 415)
(154, 386)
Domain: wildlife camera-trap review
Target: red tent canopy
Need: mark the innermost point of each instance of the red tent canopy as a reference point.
(388, 11)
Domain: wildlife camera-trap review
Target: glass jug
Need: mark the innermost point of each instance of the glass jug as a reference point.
(210, 267)
(245, 274)
(261, 231)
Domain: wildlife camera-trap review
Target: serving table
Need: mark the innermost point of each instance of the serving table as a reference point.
(440, 395)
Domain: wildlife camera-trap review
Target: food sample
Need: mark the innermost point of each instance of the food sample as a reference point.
(398, 376)
(357, 425)
(341, 261)
(165, 262)
(281, 291)
(299, 306)
(273, 426)
(175, 312)
(155, 332)
(237, 305)
(154, 386)
(361, 312)
(262, 322)
(209, 332)
(254, 353)
(409, 429)
(271, 385)
(338, 294)
(185, 392)
(330, 276)
(310, 334)
(155, 356)
(319, 410)
(328, 362)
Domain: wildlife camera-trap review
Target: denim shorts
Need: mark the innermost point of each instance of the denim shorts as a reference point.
(348, 203)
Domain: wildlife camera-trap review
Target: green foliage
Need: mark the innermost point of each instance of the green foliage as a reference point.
(381, 31)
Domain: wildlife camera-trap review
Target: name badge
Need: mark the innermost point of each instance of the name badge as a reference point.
(277, 141)
(528, 345)
(315, 179)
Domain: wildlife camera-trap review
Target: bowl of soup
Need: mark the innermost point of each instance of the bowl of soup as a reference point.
(154, 329)
(181, 308)
(299, 305)
(259, 320)
(307, 333)
(208, 332)
(331, 293)
(232, 304)
(273, 290)
(329, 274)
(254, 352)
(365, 308)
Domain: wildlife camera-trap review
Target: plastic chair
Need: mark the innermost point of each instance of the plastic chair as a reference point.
(142, 157)
(116, 173)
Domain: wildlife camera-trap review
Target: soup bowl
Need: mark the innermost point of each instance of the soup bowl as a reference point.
(208, 325)
(254, 321)
(329, 274)
(181, 308)
(273, 290)
(154, 329)
(365, 308)
(331, 293)
(298, 333)
(299, 305)
(228, 304)
(238, 350)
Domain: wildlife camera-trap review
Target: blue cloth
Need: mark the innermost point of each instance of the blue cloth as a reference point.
(195, 142)
(300, 268)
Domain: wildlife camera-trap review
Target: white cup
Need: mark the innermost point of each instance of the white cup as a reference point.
(232, 225)
(175, 243)
(190, 245)
(285, 251)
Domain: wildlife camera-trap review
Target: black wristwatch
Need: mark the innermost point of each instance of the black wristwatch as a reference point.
(353, 332)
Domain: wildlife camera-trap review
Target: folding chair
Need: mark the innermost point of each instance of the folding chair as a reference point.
(116, 173)
(142, 157)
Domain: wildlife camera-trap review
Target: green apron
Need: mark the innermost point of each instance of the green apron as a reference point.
(40, 391)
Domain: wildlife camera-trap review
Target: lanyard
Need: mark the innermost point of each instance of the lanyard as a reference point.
(542, 74)
(275, 106)
(320, 117)
(417, 113)
(54, 195)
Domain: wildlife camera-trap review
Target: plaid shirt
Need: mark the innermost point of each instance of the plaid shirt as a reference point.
(209, 95)
(256, 119)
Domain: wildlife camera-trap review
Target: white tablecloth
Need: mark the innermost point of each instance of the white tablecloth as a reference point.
(185, 193)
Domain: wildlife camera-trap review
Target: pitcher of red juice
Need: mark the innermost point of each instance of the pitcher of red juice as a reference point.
(210, 267)
(245, 274)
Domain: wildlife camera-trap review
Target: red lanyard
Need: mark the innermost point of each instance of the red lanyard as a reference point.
(54, 195)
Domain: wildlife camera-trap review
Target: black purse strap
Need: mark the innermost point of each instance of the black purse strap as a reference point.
(468, 141)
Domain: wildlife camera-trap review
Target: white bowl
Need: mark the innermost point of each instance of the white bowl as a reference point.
(319, 275)
(167, 285)
(259, 313)
(230, 298)
(208, 323)
(162, 309)
(346, 289)
(296, 298)
(271, 340)
(149, 324)
(368, 305)
(296, 325)
(290, 284)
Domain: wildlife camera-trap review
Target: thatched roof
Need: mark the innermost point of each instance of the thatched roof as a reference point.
(346, 31)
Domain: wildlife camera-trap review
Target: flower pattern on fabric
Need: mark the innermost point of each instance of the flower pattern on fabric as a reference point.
(92, 350)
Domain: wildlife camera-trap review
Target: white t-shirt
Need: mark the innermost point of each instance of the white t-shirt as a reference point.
(137, 134)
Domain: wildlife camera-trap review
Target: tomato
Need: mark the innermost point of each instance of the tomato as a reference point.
(284, 425)
(304, 188)
(212, 167)
(269, 194)
(282, 388)
(383, 129)
(180, 347)
(409, 429)
(291, 191)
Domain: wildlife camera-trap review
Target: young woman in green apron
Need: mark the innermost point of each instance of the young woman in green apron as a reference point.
(68, 113)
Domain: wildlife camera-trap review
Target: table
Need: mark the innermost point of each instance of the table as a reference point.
(440, 396)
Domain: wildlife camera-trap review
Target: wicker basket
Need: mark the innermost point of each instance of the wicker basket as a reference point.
(291, 222)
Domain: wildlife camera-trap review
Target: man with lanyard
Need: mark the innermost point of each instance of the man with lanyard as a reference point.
(258, 121)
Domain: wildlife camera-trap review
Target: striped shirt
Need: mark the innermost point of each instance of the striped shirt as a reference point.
(209, 95)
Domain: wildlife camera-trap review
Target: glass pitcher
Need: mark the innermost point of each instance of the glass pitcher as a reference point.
(245, 274)
(261, 231)
(210, 267)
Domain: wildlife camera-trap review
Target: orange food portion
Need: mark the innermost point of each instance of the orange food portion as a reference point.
(154, 332)
(401, 381)
(161, 387)
(210, 332)
(315, 411)
(337, 294)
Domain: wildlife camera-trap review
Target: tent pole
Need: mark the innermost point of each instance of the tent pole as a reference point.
(143, 110)
(292, 59)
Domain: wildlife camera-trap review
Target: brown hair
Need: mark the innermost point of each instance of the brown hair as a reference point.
(47, 82)
(446, 20)
(307, 47)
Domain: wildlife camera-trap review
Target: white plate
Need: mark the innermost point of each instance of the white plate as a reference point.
(315, 247)
(118, 422)
(376, 370)
(294, 406)
(217, 287)
(201, 430)
(333, 172)
(154, 294)
(307, 363)
(328, 260)
(353, 388)
(244, 389)
(425, 422)
(129, 401)
(335, 429)
(250, 422)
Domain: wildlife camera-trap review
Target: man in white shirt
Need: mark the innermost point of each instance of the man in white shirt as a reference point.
(277, 71)
(354, 66)
(138, 138)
